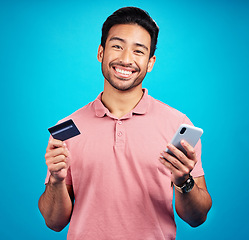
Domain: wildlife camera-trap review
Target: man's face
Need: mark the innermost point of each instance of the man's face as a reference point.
(125, 59)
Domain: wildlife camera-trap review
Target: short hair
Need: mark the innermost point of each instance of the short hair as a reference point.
(132, 15)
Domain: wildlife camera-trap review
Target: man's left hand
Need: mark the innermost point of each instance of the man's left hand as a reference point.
(181, 165)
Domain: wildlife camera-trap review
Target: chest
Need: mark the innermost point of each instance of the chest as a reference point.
(118, 152)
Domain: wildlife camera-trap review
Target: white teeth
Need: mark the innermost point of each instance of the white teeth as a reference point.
(123, 71)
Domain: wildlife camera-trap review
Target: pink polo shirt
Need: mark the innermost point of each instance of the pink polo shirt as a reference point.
(122, 191)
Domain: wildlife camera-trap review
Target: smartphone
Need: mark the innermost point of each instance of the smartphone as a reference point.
(186, 132)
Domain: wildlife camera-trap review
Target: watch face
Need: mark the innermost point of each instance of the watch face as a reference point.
(188, 185)
(188, 188)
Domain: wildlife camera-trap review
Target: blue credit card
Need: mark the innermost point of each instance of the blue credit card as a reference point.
(64, 131)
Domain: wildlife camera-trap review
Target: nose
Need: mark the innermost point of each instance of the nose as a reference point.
(126, 57)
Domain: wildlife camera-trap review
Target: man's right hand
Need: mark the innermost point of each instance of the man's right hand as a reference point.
(57, 160)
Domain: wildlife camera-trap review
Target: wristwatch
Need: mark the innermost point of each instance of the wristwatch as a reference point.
(187, 186)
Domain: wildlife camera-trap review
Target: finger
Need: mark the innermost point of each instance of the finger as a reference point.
(57, 159)
(170, 159)
(187, 162)
(176, 163)
(57, 151)
(190, 150)
(178, 154)
(57, 167)
(178, 176)
(168, 165)
(54, 143)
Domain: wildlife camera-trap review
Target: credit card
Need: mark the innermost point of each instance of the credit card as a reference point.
(64, 131)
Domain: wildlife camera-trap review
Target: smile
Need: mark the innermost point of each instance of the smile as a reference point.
(123, 72)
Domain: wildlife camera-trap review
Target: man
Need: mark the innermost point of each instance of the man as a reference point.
(114, 180)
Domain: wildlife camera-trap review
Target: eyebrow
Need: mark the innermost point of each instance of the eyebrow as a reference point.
(122, 40)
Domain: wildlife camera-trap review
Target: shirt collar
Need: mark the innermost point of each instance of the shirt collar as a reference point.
(141, 108)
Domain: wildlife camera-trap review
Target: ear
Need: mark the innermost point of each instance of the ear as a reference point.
(100, 53)
(151, 63)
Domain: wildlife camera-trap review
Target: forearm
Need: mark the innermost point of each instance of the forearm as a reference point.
(193, 207)
(55, 205)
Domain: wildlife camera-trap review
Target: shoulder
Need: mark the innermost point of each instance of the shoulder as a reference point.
(166, 116)
(157, 106)
(86, 110)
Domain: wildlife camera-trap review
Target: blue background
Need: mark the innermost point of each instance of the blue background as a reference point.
(48, 69)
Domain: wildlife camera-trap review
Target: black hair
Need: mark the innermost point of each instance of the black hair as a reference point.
(131, 15)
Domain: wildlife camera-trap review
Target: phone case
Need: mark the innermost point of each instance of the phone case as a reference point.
(186, 132)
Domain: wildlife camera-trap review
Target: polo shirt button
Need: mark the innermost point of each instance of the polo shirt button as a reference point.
(119, 122)
(120, 134)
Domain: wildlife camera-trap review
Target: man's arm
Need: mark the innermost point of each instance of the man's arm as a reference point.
(56, 203)
(192, 206)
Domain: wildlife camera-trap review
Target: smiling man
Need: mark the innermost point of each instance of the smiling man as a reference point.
(115, 181)
(125, 56)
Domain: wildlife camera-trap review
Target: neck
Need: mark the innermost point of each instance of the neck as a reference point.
(119, 103)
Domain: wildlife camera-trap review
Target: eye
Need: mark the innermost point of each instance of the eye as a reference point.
(116, 47)
(139, 52)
